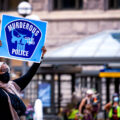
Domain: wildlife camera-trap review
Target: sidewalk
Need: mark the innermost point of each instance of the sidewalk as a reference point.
(101, 116)
(51, 117)
(54, 117)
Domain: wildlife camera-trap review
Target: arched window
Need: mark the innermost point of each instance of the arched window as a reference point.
(68, 4)
(9, 5)
(114, 4)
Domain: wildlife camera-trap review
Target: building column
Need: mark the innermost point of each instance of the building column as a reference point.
(73, 83)
(59, 93)
(48, 5)
(106, 4)
(117, 85)
(107, 89)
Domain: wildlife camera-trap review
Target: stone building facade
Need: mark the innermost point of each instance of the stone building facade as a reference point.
(70, 20)
(65, 26)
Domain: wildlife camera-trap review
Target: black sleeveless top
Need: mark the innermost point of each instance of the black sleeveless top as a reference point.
(16, 102)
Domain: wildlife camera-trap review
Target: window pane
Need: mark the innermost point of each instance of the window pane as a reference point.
(13, 4)
(3, 5)
(114, 4)
(111, 4)
(68, 4)
(6, 5)
(80, 4)
(55, 4)
(119, 4)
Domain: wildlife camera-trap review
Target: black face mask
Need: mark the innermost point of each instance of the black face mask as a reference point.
(5, 77)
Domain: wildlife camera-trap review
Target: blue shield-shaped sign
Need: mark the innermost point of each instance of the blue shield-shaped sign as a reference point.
(22, 38)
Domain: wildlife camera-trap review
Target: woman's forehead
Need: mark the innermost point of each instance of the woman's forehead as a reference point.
(4, 67)
(1, 63)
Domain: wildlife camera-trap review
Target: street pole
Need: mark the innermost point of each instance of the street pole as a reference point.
(24, 9)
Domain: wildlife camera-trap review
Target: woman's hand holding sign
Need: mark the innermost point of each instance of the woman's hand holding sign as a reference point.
(0, 43)
(44, 50)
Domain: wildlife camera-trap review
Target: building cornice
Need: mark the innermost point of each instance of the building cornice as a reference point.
(73, 15)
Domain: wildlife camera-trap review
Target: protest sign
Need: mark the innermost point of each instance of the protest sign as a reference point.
(22, 39)
(44, 94)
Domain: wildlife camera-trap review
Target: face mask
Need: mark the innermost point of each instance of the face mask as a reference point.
(5, 77)
(116, 99)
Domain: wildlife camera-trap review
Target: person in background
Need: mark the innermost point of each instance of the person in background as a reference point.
(72, 115)
(95, 104)
(113, 108)
(85, 107)
(11, 105)
(38, 110)
(29, 112)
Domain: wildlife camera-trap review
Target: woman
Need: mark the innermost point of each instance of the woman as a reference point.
(11, 106)
(85, 107)
(113, 108)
